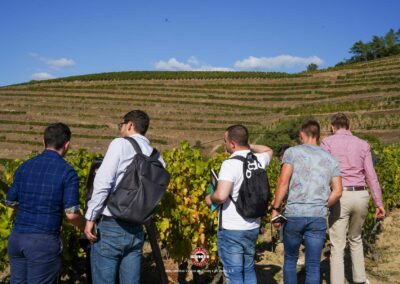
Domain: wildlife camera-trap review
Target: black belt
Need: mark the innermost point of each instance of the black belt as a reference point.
(106, 218)
(354, 188)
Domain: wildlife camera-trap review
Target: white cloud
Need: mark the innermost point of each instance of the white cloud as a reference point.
(277, 62)
(174, 65)
(250, 63)
(59, 62)
(42, 76)
(193, 60)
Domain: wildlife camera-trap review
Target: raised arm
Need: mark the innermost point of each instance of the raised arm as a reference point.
(261, 149)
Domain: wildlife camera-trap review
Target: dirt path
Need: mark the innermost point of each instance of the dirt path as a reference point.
(383, 271)
(387, 268)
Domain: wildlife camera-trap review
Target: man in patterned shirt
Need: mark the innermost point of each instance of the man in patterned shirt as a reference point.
(44, 188)
(308, 174)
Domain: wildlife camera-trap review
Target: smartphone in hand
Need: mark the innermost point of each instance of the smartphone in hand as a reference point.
(279, 219)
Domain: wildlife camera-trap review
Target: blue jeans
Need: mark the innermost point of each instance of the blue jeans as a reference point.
(117, 250)
(236, 250)
(313, 231)
(34, 258)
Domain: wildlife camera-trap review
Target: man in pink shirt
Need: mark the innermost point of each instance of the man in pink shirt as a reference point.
(348, 215)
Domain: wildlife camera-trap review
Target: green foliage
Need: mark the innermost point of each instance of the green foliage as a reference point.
(285, 132)
(378, 47)
(6, 219)
(388, 171)
(169, 75)
(183, 219)
(312, 67)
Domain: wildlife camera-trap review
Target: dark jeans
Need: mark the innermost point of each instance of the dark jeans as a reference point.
(313, 231)
(236, 250)
(34, 258)
(118, 250)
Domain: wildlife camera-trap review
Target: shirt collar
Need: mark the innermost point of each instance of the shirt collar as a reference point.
(141, 137)
(237, 153)
(52, 153)
(343, 131)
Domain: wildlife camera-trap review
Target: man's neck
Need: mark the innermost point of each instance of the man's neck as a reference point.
(310, 141)
(61, 151)
(242, 148)
(341, 129)
(131, 133)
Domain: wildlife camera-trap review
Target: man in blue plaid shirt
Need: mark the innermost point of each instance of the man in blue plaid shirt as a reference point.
(44, 188)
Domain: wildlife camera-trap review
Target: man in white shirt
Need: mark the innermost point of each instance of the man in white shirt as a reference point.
(237, 236)
(117, 246)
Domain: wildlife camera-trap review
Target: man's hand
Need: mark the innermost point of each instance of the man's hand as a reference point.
(208, 200)
(275, 213)
(380, 212)
(89, 231)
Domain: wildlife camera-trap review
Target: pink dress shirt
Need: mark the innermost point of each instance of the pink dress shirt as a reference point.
(354, 157)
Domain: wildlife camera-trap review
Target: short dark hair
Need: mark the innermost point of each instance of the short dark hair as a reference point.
(140, 120)
(56, 135)
(239, 134)
(311, 128)
(340, 120)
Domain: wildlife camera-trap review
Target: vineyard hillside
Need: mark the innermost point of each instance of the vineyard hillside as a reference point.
(198, 106)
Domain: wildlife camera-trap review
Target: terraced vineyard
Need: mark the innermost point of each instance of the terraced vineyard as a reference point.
(198, 106)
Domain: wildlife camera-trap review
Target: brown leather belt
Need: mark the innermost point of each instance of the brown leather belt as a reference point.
(354, 188)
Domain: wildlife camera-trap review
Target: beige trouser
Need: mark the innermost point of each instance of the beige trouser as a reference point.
(347, 218)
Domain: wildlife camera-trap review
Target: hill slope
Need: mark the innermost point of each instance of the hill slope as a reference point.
(199, 109)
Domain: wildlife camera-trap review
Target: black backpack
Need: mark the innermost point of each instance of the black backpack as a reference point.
(140, 189)
(254, 193)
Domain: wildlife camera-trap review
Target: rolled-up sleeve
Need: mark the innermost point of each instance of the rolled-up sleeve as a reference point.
(104, 181)
(372, 179)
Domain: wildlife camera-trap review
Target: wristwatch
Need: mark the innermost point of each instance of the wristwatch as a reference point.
(276, 209)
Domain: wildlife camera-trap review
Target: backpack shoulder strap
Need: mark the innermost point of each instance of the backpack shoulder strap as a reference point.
(155, 154)
(240, 158)
(134, 144)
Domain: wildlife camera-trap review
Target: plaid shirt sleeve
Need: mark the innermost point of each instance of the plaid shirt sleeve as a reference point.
(12, 194)
(71, 191)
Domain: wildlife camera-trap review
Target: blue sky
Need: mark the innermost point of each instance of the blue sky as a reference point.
(43, 39)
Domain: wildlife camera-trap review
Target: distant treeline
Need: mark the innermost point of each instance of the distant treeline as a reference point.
(378, 47)
(166, 75)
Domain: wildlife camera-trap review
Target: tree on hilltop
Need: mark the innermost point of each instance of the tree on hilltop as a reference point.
(312, 67)
(378, 47)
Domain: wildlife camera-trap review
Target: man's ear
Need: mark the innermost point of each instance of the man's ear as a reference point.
(66, 146)
(233, 144)
(301, 136)
(131, 126)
